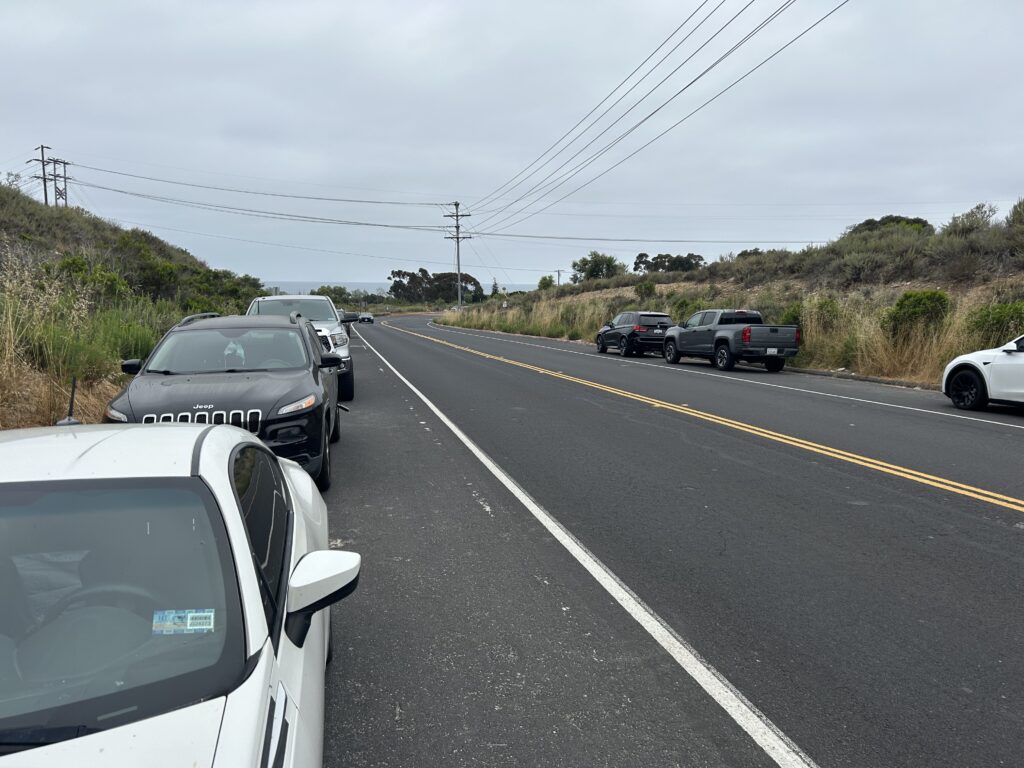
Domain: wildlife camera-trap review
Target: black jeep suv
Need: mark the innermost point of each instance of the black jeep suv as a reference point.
(634, 333)
(270, 375)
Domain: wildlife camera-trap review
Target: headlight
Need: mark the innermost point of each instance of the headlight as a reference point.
(115, 415)
(339, 339)
(298, 405)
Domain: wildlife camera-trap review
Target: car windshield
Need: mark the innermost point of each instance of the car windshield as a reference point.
(119, 602)
(229, 349)
(311, 309)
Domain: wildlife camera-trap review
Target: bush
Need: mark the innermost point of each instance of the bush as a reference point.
(994, 324)
(644, 290)
(916, 309)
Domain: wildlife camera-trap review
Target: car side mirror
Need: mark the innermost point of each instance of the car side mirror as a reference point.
(131, 366)
(320, 579)
(1011, 347)
(330, 360)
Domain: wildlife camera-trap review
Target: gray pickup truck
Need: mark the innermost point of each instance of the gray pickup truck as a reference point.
(725, 336)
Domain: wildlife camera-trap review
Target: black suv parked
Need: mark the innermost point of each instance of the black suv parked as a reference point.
(634, 333)
(267, 374)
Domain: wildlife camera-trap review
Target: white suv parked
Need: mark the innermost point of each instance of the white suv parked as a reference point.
(320, 311)
(976, 379)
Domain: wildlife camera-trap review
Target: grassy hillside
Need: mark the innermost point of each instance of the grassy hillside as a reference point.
(894, 297)
(78, 294)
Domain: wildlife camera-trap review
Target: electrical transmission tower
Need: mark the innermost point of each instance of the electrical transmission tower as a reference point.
(60, 187)
(458, 237)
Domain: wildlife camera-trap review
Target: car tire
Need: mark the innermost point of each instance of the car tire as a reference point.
(601, 346)
(775, 364)
(330, 639)
(336, 429)
(967, 390)
(670, 353)
(624, 346)
(323, 477)
(723, 360)
(347, 388)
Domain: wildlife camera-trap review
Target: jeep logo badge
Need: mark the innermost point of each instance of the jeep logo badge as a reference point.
(200, 407)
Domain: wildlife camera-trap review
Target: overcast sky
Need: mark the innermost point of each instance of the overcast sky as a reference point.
(888, 106)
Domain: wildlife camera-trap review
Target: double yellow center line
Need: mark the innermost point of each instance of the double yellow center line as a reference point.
(951, 486)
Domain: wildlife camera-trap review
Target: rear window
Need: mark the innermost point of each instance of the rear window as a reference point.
(655, 320)
(747, 318)
(311, 309)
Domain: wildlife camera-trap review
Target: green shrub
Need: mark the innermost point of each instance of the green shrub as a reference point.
(644, 290)
(994, 324)
(915, 309)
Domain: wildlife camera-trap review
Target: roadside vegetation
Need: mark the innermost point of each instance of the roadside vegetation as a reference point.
(893, 297)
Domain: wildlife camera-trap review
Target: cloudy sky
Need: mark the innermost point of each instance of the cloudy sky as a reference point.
(909, 106)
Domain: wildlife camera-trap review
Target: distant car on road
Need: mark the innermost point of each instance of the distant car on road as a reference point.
(329, 324)
(165, 599)
(365, 317)
(634, 333)
(267, 374)
(974, 380)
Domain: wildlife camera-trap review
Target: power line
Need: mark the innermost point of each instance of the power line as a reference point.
(503, 187)
(312, 249)
(543, 182)
(258, 213)
(641, 239)
(550, 187)
(675, 125)
(255, 192)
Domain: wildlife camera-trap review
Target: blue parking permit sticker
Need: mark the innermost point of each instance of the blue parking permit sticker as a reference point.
(187, 622)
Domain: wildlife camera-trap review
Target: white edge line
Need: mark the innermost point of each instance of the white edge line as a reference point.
(765, 734)
(448, 329)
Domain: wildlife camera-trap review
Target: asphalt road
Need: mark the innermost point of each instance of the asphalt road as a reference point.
(844, 560)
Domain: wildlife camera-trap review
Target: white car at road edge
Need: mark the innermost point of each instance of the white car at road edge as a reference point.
(974, 380)
(164, 599)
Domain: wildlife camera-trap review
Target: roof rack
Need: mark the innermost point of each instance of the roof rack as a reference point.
(193, 318)
(294, 317)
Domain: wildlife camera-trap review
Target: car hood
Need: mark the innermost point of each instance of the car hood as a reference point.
(191, 393)
(187, 736)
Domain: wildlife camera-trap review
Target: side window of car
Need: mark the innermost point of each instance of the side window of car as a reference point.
(708, 318)
(628, 318)
(694, 321)
(617, 320)
(263, 502)
(314, 343)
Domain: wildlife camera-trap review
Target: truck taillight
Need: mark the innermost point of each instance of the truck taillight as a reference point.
(639, 328)
(799, 338)
(745, 335)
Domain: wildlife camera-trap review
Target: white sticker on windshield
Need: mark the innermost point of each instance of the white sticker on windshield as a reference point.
(187, 622)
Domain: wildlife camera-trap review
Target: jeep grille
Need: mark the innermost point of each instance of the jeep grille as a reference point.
(245, 419)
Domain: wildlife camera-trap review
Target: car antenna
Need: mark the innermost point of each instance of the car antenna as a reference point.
(70, 420)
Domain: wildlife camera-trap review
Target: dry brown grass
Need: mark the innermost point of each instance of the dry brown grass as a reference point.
(30, 398)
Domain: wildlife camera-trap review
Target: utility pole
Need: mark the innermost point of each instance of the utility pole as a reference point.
(42, 168)
(458, 237)
(60, 192)
(559, 273)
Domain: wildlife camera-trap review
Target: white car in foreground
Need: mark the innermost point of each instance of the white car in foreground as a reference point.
(976, 379)
(164, 599)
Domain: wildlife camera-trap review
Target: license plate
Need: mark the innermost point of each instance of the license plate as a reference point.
(772, 351)
(658, 330)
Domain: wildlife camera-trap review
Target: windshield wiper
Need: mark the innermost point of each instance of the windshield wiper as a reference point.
(158, 370)
(19, 739)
